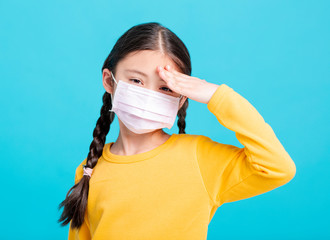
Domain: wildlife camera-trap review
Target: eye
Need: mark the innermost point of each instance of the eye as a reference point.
(169, 90)
(137, 80)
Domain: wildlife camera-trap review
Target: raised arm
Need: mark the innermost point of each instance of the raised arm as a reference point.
(231, 173)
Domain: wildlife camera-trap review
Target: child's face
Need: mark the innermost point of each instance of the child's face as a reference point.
(145, 62)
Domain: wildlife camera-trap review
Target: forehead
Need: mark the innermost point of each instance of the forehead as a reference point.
(146, 61)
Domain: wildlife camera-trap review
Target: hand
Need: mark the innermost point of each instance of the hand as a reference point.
(191, 87)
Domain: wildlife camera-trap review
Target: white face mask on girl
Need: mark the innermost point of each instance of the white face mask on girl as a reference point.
(143, 110)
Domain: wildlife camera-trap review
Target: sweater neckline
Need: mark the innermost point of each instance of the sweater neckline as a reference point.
(109, 156)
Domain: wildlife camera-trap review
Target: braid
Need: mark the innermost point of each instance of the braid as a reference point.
(182, 117)
(75, 204)
(100, 132)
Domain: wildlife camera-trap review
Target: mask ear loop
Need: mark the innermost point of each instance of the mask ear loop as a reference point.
(111, 94)
(180, 99)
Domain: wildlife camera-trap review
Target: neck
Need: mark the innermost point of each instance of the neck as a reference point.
(129, 143)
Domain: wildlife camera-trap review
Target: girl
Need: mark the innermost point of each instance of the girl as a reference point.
(152, 185)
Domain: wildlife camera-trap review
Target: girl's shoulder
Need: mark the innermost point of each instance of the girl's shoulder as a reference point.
(192, 137)
(196, 140)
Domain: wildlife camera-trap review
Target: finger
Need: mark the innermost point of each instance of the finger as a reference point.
(177, 86)
(175, 76)
(166, 75)
(163, 75)
(174, 86)
(175, 72)
(172, 72)
(170, 81)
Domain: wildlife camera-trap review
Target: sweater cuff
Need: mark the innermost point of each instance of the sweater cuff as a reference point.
(215, 102)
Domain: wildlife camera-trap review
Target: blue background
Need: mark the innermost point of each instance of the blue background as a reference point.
(273, 53)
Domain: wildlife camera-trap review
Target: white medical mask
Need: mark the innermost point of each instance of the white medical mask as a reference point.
(143, 110)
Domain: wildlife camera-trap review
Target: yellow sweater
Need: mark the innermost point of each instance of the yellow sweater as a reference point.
(173, 190)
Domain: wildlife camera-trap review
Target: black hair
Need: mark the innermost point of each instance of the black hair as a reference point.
(145, 36)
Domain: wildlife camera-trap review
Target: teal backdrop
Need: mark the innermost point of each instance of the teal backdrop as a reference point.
(273, 53)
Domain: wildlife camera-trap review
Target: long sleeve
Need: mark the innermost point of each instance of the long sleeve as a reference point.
(83, 233)
(231, 173)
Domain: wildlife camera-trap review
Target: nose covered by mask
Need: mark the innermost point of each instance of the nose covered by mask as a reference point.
(143, 110)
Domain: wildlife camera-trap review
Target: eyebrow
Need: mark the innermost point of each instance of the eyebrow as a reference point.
(139, 72)
(136, 71)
